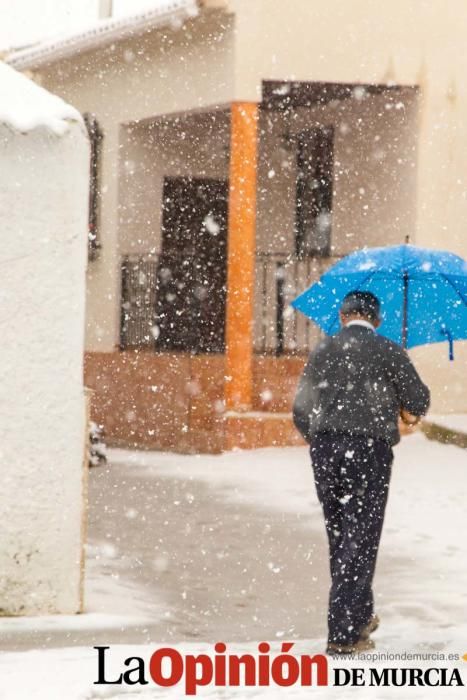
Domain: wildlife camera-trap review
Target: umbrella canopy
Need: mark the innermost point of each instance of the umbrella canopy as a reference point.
(423, 293)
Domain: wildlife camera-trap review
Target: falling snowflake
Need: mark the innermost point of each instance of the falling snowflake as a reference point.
(211, 225)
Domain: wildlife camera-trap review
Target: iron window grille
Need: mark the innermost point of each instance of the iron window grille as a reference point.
(138, 328)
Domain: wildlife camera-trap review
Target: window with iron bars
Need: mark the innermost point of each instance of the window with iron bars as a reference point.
(314, 192)
(138, 327)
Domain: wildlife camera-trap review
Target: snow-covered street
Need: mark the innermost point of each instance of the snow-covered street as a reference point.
(191, 550)
(233, 237)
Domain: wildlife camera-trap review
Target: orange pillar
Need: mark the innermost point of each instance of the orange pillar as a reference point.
(241, 256)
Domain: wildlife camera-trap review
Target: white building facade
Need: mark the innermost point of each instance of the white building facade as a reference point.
(44, 176)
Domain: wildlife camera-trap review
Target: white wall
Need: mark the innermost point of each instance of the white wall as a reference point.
(43, 219)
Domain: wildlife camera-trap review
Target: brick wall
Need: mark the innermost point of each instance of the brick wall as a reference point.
(174, 401)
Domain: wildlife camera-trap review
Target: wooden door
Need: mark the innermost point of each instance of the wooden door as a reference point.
(192, 269)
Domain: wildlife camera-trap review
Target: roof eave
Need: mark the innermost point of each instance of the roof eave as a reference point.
(102, 35)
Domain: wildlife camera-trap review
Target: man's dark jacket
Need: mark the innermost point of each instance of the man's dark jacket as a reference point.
(357, 382)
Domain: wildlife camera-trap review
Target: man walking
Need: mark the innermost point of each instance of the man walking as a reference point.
(355, 387)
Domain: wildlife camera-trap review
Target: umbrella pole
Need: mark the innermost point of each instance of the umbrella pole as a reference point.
(405, 302)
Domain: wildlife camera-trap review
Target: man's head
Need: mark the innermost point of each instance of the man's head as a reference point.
(360, 306)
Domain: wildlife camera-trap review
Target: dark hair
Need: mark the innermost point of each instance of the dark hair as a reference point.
(362, 304)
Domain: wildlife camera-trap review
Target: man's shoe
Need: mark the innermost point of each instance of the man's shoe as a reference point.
(370, 627)
(334, 649)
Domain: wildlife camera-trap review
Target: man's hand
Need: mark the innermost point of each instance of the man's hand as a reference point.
(408, 423)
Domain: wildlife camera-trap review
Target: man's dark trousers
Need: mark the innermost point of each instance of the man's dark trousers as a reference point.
(352, 474)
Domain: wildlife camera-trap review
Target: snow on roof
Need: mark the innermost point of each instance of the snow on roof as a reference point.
(26, 106)
(165, 12)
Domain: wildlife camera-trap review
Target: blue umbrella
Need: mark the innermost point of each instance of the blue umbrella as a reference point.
(423, 293)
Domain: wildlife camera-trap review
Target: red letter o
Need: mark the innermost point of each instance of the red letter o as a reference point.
(155, 666)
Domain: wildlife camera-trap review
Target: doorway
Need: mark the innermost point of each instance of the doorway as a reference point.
(192, 268)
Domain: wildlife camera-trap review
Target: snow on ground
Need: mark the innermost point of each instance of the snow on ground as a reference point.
(421, 582)
(424, 525)
(112, 602)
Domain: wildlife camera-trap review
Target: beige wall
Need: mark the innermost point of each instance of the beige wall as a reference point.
(375, 142)
(220, 56)
(420, 42)
(373, 203)
(446, 379)
(374, 198)
(163, 72)
(194, 145)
